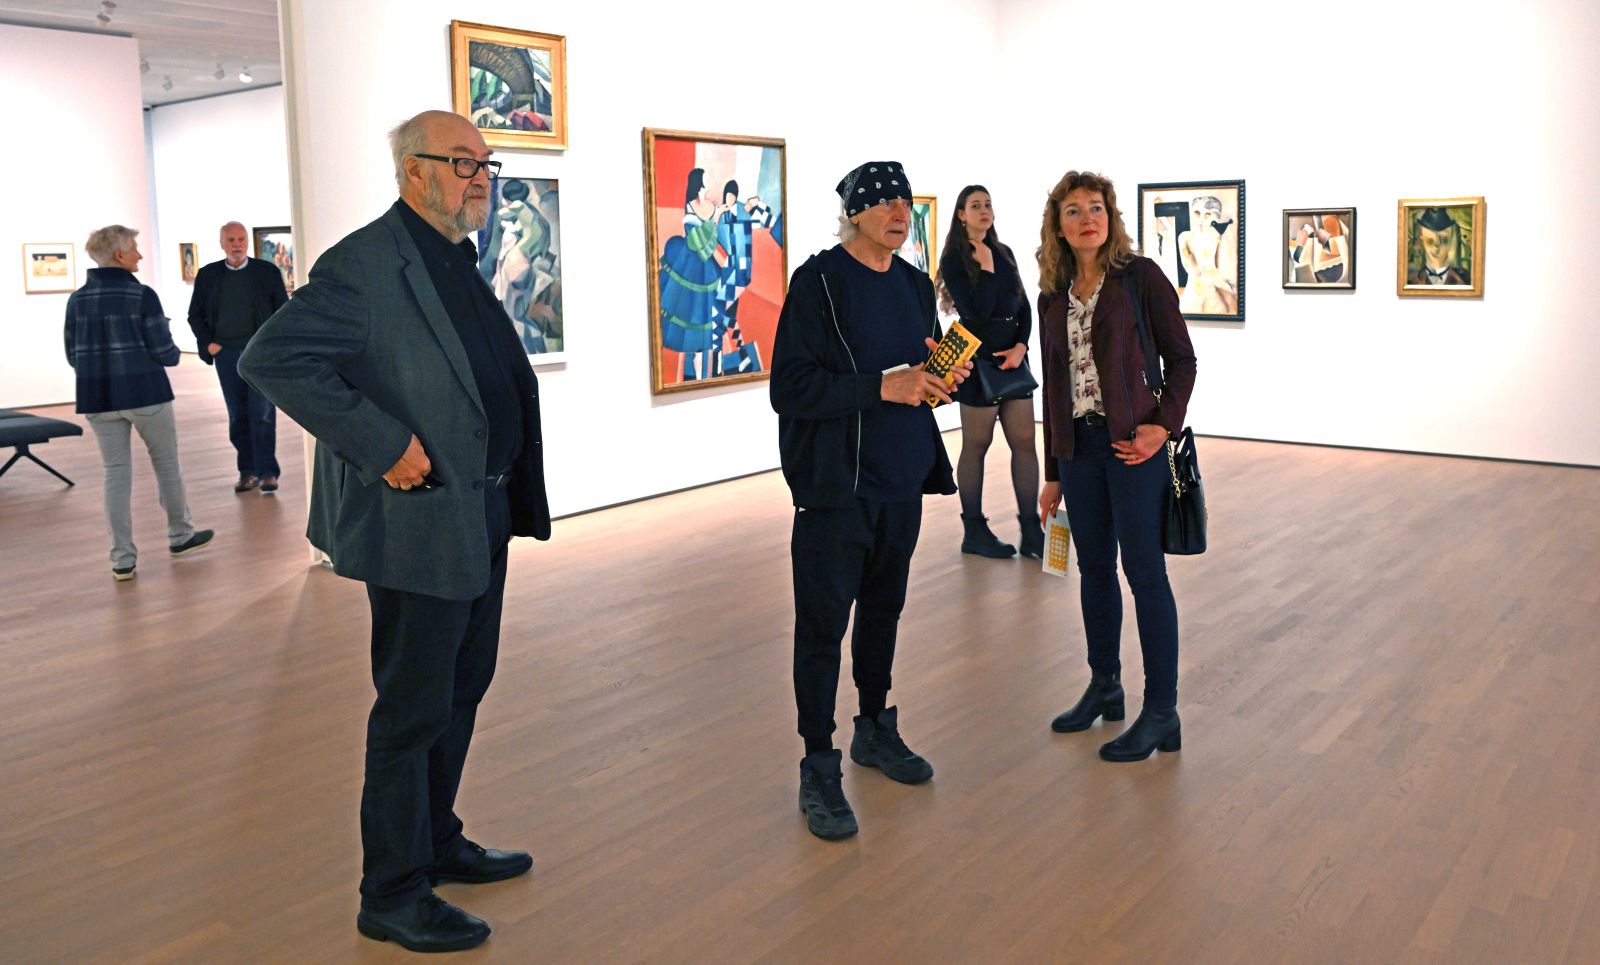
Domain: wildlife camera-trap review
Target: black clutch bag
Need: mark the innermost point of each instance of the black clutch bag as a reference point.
(996, 384)
(1183, 532)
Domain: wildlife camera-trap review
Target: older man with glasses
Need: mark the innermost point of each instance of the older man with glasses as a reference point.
(400, 361)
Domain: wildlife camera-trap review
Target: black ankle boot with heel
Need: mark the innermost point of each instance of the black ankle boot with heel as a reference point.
(1102, 698)
(1155, 730)
(981, 542)
(1032, 537)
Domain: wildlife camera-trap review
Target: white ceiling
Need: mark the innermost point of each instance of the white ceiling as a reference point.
(180, 39)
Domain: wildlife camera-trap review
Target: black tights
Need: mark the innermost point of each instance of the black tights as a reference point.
(977, 431)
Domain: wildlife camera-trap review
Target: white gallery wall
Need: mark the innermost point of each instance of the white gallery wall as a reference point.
(214, 160)
(74, 161)
(1352, 104)
(838, 91)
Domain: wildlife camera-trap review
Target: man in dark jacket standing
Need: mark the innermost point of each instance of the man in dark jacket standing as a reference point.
(232, 298)
(400, 360)
(859, 450)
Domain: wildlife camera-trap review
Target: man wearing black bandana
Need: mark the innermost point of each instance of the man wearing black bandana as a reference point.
(859, 451)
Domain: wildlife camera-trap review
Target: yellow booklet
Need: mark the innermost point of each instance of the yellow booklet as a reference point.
(957, 346)
(1057, 543)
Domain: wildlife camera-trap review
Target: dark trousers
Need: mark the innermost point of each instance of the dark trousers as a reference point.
(1110, 506)
(432, 660)
(858, 556)
(252, 420)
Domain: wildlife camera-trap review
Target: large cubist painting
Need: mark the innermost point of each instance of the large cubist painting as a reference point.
(1441, 247)
(921, 244)
(519, 255)
(1195, 231)
(715, 259)
(512, 84)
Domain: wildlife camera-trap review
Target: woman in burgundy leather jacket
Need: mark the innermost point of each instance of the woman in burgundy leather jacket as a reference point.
(1105, 431)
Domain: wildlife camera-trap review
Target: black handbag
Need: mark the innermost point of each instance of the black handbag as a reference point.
(996, 384)
(1183, 525)
(1183, 529)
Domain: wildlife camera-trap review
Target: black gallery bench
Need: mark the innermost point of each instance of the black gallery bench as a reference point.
(21, 430)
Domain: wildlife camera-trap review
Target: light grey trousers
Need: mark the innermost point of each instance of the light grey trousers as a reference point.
(159, 430)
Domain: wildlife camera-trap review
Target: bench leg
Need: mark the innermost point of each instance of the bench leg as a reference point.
(22, 451)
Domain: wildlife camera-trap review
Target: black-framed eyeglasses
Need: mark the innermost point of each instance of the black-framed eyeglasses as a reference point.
(466, 167)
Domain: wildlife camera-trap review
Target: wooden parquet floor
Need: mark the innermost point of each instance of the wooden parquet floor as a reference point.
(1390, 691)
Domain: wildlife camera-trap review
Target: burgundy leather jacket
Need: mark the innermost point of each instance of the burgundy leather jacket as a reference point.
(1119, 359)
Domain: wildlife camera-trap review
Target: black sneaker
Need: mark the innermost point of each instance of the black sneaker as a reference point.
(200, 538)
(269, 485)
(828, 814)
(120, 573)
(877, 744)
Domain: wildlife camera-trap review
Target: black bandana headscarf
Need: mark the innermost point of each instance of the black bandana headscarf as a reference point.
(875, 182)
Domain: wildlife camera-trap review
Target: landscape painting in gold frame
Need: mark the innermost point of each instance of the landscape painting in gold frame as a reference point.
(512, 84)
(1440, 249)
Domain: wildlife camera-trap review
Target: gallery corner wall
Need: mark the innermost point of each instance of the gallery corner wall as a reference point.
(837, 94)
(74, 161)
(1350, 104)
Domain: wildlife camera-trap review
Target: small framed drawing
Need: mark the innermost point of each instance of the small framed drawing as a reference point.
(277, 246)
(49, 267)
(512, 84)
(1319, 248)
(921, 245)
(1441, 248)
(519, 255)
(715, 258)
(188, 260)
(1195, 231)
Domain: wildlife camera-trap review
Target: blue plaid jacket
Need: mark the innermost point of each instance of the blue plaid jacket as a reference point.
(119, 343)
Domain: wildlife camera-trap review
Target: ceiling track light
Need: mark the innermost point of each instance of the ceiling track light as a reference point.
(220, 73)
(144, 66)
(244, 75)
(104, 18)
(166, 83)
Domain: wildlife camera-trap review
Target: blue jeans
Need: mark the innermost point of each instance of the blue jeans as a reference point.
(1113, 506)
(252, 420)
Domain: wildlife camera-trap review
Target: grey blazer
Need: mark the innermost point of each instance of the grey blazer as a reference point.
(363, 356)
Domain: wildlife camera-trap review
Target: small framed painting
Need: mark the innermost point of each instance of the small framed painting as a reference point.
(1195, 231)
(512, 84)
(1319, 248)
(49, 267)
(519, 255)
(715, 258)
(276, 245)
(921, 245)
(1441, 248)
(188, 260)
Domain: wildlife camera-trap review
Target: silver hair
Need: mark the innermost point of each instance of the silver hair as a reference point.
(104, 243)
(408, 137)
(847, 228)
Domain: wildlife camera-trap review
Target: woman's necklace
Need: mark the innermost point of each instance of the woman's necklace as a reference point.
(1085, 286)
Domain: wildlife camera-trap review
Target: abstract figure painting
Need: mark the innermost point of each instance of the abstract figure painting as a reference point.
(715, 257)
(1441, 248)
(1195, 231)
(49, 267)
(519, 255)
(919, 247)
(512, 84)
(277, 246)
(188, 260)
(1319, 248)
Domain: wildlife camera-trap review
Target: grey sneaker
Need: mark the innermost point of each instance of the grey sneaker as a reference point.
(828, 814)
(877, 744)
(200, 538)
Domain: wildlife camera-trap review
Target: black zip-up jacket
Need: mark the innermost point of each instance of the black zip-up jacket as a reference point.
(819, 395)
(266, 288)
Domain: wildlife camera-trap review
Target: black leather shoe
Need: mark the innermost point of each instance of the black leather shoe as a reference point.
(877, 744)
(430, 924)
(1102, 698)
(1155, 730)
(828, 814)
(471, 864)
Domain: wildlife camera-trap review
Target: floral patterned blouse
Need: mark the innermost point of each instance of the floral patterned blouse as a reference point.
(1085, 379)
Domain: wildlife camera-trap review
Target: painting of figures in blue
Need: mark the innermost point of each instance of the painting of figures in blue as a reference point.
(519, 255)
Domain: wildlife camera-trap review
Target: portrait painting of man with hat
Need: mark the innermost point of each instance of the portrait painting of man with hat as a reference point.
(1441, 247)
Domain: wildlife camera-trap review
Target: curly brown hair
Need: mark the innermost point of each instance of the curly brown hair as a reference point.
(1057, 263)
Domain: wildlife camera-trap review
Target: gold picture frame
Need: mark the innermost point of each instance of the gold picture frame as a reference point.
(1439, 252)
(188, 261)
(921, 247)
(716, 272)
(49, 266)
(516, 80)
